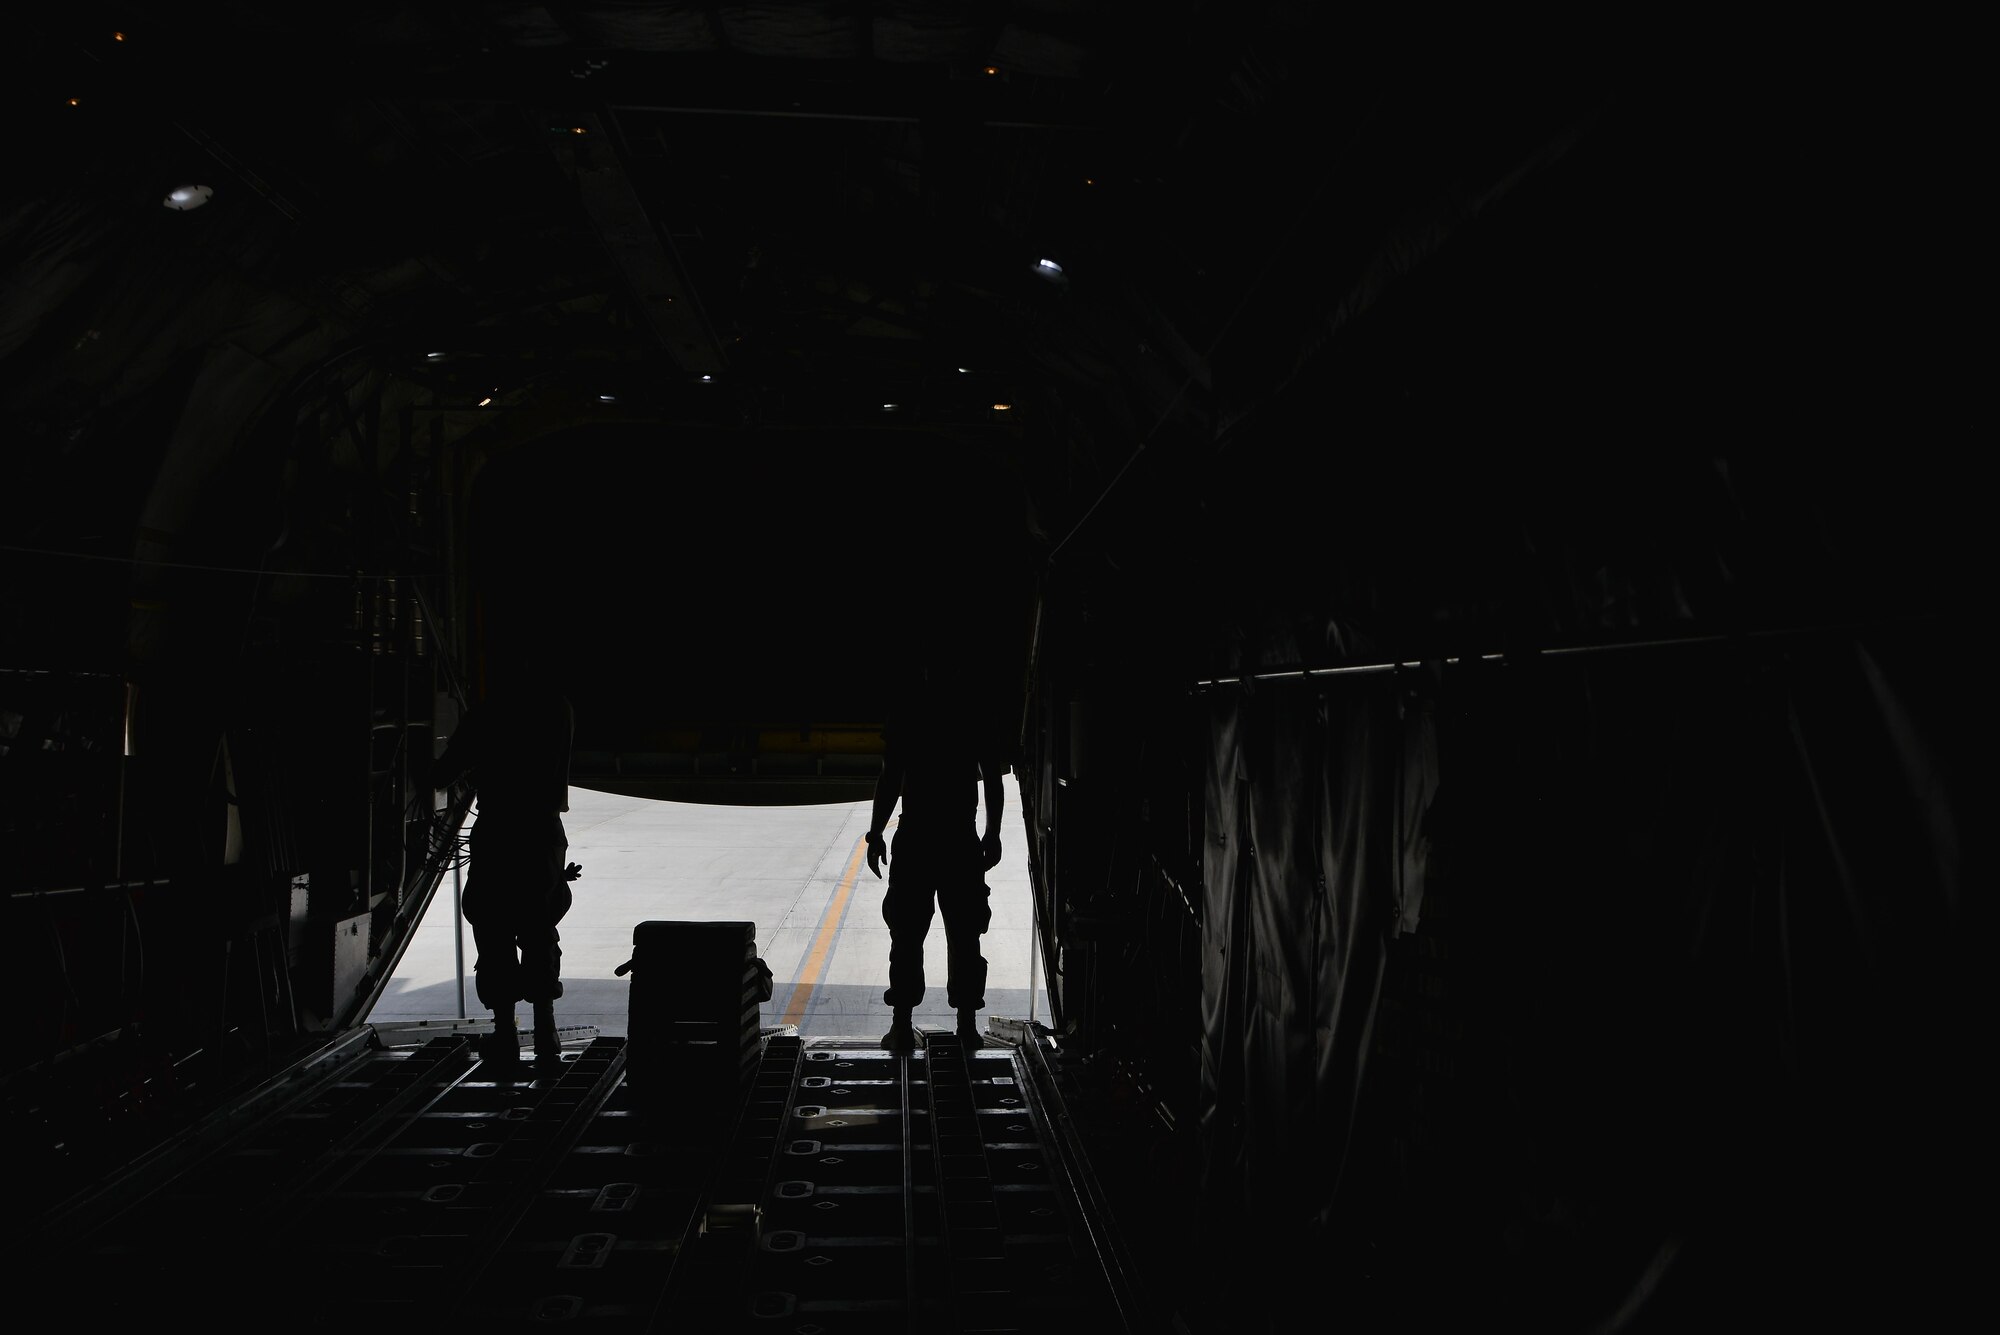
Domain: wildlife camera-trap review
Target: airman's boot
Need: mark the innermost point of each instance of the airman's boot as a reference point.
(502, 1047)
(968, 1029)
(901, 1040)
(548, 1046)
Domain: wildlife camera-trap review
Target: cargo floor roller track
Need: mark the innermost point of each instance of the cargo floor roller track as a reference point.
(924, 1194)
(415, 1188)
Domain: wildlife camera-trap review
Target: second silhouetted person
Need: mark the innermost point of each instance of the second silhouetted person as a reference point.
(936, 757)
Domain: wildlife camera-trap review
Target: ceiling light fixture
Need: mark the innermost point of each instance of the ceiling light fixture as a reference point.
(607, 398)
(1002, 407)
(705, 379)
(1048, 266)
(488, 399)
(434, 356)
(117, 36)
(184, 197)
(992, 69)
(888, 407)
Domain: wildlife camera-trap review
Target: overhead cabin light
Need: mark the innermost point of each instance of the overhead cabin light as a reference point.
(184, 197)
(73, 102)
(992, 69)
(117, 36)
(434, 356)
(607, 398)
(1048, 266)
(488, 399)
(1002, 407)
(964, 370)
(707, 378)
(888, 407)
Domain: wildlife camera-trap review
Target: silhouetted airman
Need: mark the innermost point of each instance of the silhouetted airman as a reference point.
(515, 750)
(938, 751)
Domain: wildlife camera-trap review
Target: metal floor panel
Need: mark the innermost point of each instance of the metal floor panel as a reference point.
(843, 1190)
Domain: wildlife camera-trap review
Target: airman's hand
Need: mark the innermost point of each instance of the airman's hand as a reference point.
(989, 848)
(878, 852)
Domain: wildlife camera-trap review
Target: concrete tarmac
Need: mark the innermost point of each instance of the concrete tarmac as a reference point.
(797, 872)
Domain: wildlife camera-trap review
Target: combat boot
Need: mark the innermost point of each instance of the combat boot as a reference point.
(968, 1029)
(901, 1040)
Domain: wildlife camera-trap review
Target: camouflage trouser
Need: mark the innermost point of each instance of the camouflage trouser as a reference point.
(515, 894)
(947, 876)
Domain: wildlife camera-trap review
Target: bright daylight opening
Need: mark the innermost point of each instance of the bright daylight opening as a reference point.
(797, 872)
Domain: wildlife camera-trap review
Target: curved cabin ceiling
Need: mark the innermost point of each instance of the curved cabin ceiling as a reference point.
(1218, 310)
(504, 230)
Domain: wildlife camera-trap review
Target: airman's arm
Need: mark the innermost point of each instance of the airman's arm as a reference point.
(990, 771)
(887, 789)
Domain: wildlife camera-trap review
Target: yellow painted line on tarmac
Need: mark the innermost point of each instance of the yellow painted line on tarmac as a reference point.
(829, 928)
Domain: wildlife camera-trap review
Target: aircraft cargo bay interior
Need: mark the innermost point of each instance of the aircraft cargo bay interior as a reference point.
(988, 666)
